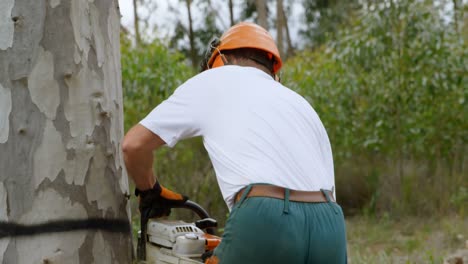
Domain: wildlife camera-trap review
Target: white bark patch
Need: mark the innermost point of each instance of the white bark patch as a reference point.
(98, 188)
(85, 90)
(54, 3)
(5, 110)
(3, 217)
(86, 27)
(51, 151)
(42, 86)
(58, 248)
(81, 25)
(102, 252)
(76, 55)
(7, 27)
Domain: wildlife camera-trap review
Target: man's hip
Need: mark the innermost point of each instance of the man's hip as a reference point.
(269, 228)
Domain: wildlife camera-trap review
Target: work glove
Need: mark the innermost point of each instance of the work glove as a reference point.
(158, 201)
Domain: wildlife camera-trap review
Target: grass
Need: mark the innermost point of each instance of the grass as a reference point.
(407, 241)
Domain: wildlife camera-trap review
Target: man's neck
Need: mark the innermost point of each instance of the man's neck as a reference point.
(249, 63)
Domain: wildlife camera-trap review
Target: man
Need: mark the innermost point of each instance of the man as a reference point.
(269, 149)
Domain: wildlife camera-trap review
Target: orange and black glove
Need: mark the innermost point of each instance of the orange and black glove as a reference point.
(158, 201)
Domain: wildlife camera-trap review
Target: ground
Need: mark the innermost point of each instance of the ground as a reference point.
(408, 240)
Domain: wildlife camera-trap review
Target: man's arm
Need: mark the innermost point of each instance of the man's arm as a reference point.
(138, 146)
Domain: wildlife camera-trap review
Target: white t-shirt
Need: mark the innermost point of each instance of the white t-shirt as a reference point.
(254, 129)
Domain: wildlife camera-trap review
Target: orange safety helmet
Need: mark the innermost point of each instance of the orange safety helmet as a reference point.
(244, 35)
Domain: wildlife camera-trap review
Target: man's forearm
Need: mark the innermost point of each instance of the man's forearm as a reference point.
(139, 165)
(138, 146)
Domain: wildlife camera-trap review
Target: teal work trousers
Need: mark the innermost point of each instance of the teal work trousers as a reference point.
(269, 230)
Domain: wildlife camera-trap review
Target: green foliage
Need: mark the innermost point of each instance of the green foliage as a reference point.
(392, 91)
(150, 73)
(249, 9)
(323, 18)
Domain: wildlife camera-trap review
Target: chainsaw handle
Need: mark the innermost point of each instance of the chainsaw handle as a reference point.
(198, 210)
(194, 207)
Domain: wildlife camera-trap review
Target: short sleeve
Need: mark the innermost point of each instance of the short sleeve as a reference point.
(175, 118)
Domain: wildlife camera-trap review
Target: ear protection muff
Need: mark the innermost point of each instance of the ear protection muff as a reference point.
(213, 51)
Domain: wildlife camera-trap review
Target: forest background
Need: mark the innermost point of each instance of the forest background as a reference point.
(389, 81)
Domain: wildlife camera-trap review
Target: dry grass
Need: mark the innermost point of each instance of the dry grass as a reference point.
(408, 240)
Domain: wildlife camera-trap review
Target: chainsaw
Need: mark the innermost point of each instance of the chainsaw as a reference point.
(165, 241)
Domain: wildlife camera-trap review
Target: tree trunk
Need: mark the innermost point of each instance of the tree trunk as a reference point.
(136, 22)
(61, 123)
(193, 51)
(231, 12)
(290, 49)
(262, 13)
(279, 26)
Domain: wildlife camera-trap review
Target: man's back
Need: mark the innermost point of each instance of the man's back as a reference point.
(254, 129)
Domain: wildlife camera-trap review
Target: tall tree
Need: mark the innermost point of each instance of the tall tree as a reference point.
(136, 22)
(231, 12)
(279, 26)
(290, 50)
(262, 17)
(283, 36)
(60, 128)
(193, 49)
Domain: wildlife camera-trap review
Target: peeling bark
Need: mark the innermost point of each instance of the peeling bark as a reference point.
(60, 150)
(54, 3)
(6, 24)
(42, 86)
(5, 110)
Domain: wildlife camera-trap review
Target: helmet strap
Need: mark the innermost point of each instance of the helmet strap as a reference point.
(278, 78)
(223, 58)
